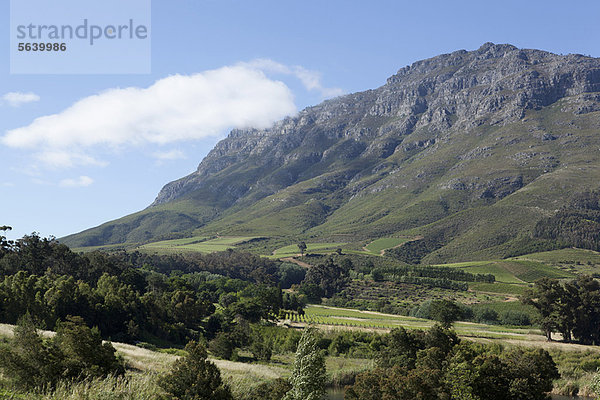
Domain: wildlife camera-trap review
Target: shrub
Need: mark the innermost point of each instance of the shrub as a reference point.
(513, 317)
(194, 377)
(272, 390)
(75, 353)
(222, 346)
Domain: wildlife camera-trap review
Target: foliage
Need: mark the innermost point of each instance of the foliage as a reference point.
(572, 308)
(193, 377)
(434, 365)
(302, 247)
(445, 312)
(290, 274)
(309, 375)
(127, 295)
(271, 390)
(453, 274)
(222, 346)
(329, 276)
(576, 225)
(414, 251)
(75, 353)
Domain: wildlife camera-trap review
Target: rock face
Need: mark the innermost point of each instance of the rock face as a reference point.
(471, 147)
(495, 84)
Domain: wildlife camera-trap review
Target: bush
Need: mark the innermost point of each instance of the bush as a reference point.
(194, 377)
(486, 315)
(272, 390)
(513, 317)
(261, 349)
(75, 353)
(222, 346)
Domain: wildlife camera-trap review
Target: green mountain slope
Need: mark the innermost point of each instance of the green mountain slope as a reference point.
(468, 149)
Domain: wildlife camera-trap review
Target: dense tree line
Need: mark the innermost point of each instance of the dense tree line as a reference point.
(437, 365)
(414, 251)
(329, 277)
(453, 274)
(571, 308)
(41, 256)
(134, 296)
(576, 225)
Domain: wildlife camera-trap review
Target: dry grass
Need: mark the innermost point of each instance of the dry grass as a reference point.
(144, 359)
(132, 387)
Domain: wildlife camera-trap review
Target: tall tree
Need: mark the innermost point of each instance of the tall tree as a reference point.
(302, 247)
(545, 296)
(309, 375)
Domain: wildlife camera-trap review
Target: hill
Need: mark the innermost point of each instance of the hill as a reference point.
(468, 150)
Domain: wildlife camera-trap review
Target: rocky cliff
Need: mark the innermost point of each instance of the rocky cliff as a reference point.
(475, 146)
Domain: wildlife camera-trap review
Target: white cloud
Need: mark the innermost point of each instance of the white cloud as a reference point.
(8, 184)
(311, 80)
(82, 181)
(175, 108)
(16, 99)
(67, 159)
(169, 155)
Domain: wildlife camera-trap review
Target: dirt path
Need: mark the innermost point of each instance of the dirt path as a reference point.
(298, 262)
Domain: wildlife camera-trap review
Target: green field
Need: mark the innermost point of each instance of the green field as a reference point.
(292, 250)
(355, 319)
(378, 245)
(513, 271)
(498, 287)
(572, 260)
(201, 244)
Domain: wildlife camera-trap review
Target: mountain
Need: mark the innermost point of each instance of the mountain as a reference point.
(469, 150)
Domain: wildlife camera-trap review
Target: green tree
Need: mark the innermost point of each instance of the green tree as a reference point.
(75, 353)
(222, 346)
(545, 297)
(302, 247)
(445, 312)
(309, 374)
(193, 377)
(84, 352)
(29, 360)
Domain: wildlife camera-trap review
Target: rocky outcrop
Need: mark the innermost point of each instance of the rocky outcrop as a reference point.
(456, 92)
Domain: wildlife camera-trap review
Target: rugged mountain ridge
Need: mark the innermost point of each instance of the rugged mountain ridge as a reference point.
(457, 132)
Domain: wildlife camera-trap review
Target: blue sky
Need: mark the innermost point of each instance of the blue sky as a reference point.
(93, 162)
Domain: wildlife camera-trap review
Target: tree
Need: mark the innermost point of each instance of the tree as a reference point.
(75, 353)
(545, 296)
(331, 277)
(193, 377)
(222, 346)
(573, 309)
(29, 360)
(302, 247)
(445, 312)
(85, 355)
(309, 374)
